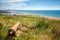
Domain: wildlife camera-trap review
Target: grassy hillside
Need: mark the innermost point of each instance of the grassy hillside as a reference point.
(37, 28)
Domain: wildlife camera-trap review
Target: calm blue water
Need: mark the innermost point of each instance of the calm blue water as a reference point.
(53, 13)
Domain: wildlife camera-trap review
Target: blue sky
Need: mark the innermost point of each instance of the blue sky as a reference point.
(29, 4)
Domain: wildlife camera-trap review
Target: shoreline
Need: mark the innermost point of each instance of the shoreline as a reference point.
(48, 17)
(52, 18)
(32, 14)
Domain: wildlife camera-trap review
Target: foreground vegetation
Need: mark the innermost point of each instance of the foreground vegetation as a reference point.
(37, 28)
(4, 11)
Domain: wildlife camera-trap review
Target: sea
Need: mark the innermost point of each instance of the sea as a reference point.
(51, 13)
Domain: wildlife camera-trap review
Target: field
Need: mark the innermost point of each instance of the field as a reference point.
(37, 28)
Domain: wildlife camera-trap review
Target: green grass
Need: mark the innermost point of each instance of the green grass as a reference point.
(38, 28)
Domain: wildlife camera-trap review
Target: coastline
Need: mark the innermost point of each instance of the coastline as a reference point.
(52, 18)
(31, 14)
(48, 17)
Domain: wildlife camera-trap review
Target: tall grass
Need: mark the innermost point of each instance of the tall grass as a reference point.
(38, 28)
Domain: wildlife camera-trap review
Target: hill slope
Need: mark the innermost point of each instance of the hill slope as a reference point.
(38, 28)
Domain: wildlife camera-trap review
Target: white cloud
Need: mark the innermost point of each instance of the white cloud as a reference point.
(12, 4)
(14, 0)
(18, 4)
(40, 8)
